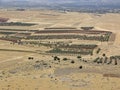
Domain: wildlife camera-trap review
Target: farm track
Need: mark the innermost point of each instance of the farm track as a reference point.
(3, 29)
(43, 53)
(11, 50)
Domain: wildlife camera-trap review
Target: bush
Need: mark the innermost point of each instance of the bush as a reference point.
(30, 58)
(56, 58)
(72, 61)
(79, 57)
(80, 67)
(65, 59)
(104, 55)
(98, 51)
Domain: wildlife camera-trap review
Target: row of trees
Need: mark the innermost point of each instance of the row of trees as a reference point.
(107, 60)
(16, 24)
(100, 60)
(101, 38)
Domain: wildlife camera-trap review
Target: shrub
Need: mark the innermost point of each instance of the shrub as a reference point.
(98, 51)
(65, 59)
(72, 61)
(56, 58)
(80, 67)
(30, 58)
(79, 57)
(104, 55)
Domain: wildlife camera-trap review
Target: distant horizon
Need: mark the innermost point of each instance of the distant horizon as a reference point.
(82, 2)
(59, 3)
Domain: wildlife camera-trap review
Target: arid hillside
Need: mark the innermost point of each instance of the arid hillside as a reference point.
(49, 50)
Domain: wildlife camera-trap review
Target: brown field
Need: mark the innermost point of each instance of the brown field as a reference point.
(56, 54)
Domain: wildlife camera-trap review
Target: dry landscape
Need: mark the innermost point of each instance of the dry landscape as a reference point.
(49, 50)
